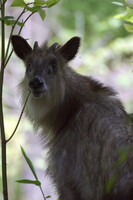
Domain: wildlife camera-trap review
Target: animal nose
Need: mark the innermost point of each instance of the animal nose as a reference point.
(36, 83)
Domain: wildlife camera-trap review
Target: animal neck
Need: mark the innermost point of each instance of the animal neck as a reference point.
(63, 113)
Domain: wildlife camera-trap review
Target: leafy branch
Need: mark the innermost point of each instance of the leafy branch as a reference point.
(27, 181)
(127, 15)
(36, 6)
(19, 119)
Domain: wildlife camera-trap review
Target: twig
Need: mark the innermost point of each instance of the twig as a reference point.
(25, 22)
(13, 27)
(42, 193)
(8, 58)
(2, 4)
(19, 119)
(2, 126)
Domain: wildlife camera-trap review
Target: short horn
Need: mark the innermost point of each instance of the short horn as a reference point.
(54, 46)
(35, 46)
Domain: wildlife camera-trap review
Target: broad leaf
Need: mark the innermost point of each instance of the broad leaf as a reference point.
(39, 2)
(29, 163)
(18, 3)
(42, 14)
(6, 18)
(51, 3)
(128, 16)
(13, 22)
(20, 23)
(33, 9)
(120, 16)
(27, 181)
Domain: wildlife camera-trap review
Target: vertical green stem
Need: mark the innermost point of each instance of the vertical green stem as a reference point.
(3, 139)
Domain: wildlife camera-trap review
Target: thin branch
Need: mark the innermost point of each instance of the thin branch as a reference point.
(25, 22)
(7, 60)
(19, 119)
(2, 126)
(42, 193)
(2, 4)
(13, 27)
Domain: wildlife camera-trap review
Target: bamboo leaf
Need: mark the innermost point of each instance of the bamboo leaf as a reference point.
(29, 163)
(27, 181)
(18, 3)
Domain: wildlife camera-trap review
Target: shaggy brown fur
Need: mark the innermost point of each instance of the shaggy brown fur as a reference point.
(88, 134)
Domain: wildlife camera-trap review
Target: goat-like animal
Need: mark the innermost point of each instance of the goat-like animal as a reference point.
(84, 123)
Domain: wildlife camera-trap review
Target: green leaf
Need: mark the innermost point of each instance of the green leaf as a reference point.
(13, 22)
(6, 18)
(120, 16)
(33, 9)
(42, 14)
(27, 181)
(123, 157)
(110, 184)
(117, 3)
(128, 15)
(129, 27)
(20, 23)
(51, 3)
(29, 163)
(9, 22)
(18, 3)
(39, 2)
(48, 197)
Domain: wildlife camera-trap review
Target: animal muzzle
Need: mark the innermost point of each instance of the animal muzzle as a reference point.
(37, 86)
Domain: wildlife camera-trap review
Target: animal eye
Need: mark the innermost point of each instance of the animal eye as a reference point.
(49, 70)
(28, 67)
(54, 67)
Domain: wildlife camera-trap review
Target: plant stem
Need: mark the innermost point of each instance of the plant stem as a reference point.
(8, 58)
(2, 127)
(2, 3)
(12, 32)
(42, 193)
(19, 118)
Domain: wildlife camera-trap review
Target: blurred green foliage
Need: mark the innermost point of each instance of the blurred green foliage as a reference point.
(92, 18)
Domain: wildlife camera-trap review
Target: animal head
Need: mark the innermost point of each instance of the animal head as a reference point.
(44, 65)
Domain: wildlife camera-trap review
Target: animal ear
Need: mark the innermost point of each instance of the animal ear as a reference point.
(20, 46)
(69, 50)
